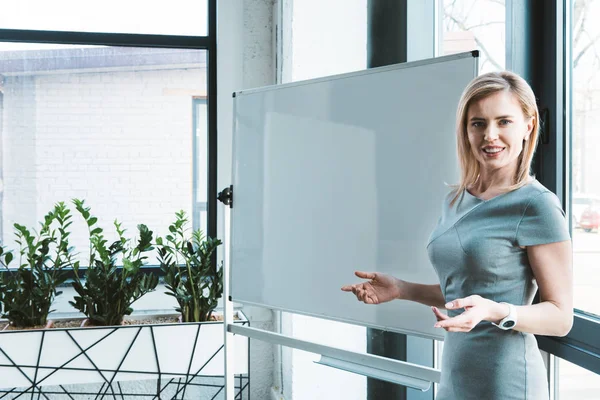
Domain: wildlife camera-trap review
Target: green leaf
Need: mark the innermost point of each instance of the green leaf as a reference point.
(129, 266)
(92, 221)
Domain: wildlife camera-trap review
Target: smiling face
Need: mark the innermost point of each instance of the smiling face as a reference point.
(497, 129)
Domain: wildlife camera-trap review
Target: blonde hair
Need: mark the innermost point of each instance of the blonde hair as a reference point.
(479, 88)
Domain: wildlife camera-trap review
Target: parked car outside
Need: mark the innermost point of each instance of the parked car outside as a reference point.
(590, 219)
(580, 204)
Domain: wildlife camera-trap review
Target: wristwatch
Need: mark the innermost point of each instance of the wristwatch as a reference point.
(510, 320)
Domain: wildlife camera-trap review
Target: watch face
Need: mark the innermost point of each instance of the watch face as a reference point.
(508, 324)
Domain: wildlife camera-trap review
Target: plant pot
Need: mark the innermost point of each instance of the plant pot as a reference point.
(30, 359)
(49, 325)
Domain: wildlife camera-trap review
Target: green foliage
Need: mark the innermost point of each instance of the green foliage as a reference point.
(5, 259)
(28, 291)
(108, 292)
(189, 274)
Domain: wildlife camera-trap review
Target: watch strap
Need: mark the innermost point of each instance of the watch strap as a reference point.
(510, 320)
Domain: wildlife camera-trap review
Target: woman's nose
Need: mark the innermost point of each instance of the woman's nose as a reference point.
(490, 134)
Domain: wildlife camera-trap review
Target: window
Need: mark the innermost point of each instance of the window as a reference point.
(474, 24)
(582, 67)
(324, 44)
(120, 127)
(576, 382)
(181, 17)
(585, 174)
(200, 160)
(110, 125)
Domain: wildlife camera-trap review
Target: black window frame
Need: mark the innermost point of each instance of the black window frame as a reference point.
(207, 43)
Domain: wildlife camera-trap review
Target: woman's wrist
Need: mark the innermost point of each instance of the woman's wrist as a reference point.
(402, 290)
(498, 312)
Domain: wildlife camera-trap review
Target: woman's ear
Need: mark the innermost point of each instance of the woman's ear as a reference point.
(529, 128)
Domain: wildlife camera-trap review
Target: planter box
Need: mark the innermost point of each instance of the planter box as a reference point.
(171, 352)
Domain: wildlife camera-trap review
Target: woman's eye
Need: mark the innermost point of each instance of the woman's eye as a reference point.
(505, 121)
(477, 124)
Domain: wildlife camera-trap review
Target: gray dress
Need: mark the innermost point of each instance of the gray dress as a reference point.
(475, 249)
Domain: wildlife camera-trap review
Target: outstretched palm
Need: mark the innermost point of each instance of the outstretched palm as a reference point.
(379, 289)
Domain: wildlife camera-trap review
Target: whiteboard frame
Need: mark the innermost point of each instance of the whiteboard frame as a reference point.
(471, 54)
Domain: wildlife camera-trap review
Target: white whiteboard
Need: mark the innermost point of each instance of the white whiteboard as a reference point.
(340, 174)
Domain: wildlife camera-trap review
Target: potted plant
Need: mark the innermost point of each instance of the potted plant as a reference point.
(177, 353)
(29, 290)
(108, 291)
(190, 276)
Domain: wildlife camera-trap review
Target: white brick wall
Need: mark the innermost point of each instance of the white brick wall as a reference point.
(121, 140)
(18, 160)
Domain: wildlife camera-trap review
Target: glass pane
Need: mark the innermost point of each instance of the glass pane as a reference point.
(201, 161)
(331, 41)
(575, 382)
(316, 381)
(109, 125)
(475, 24)
(585, 183)
(179, 17)
(438, 353)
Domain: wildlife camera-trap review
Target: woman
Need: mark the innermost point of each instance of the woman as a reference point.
(501, 236)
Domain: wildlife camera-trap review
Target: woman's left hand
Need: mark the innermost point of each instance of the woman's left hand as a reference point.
(477, 309)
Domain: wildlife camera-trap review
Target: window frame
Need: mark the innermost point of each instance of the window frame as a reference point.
(207, 43)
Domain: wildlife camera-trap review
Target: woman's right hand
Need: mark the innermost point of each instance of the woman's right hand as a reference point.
(379, 289)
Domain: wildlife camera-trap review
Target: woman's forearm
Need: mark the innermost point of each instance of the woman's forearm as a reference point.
(544, 318)
(430, 295)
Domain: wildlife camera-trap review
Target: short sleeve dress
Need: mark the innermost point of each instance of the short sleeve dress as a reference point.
(476, 249)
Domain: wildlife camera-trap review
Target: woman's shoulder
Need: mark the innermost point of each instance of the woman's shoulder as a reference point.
(535, 194)
(535, 187)
(542, 219)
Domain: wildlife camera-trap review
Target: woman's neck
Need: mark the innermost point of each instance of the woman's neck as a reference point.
(494, 182)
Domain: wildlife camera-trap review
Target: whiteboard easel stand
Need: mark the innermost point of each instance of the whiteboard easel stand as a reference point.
(373, 366)
(226, 197)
